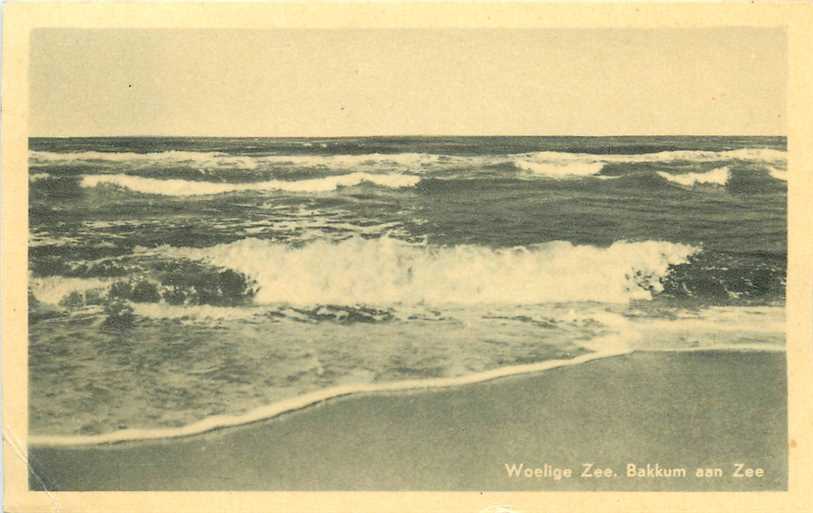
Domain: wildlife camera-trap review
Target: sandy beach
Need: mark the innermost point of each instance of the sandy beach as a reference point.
(670, 411)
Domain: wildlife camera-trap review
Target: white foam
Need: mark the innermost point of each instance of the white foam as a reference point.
(737, 348)
(54, 289)
(198, 312)
(400, 161)
(387, 271)
(757, 154)
(36, 177)
(749, 154)
(718, 176)
(779, 174)
(200, 160)
(218, 160)
(39, 239)
(195, 188)
(559, 169)
(741, 327)
(556, 164)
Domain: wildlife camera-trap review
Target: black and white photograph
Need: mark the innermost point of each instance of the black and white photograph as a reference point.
(407, 259)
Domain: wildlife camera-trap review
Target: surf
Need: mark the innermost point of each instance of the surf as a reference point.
(387, 271)
(718, 177)
(545, 163)
(173, 187)
(277, 409)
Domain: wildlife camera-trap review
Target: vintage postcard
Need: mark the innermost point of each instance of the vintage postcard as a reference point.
(407, 257)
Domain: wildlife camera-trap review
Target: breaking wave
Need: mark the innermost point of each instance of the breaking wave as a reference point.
(562, 165)
(779, 174)
(719, 176)
(54, 289)
(554, 169)
(388, 271)
(195, 188)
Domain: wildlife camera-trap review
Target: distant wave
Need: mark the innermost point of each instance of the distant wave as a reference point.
(779, 174)
(549, 163)
(168, 173)
(562, 165)
(197, 188)
(748, 154)
(559, 169)
(36, 177)
(719, 176)
(190, 158)
(218, 160)
(388, 271)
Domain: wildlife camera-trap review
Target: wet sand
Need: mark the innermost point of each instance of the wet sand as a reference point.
(709, 409)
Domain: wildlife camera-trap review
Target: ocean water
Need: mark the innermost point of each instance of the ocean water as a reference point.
(172, 280)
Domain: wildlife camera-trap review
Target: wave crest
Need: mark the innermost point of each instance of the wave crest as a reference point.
(718, 176)
(778, 173)
(219, 160)
(559, 169)
(388, 271)
(197, 159)
(173, 187)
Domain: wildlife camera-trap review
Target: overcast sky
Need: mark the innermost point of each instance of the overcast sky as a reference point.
(400, 82)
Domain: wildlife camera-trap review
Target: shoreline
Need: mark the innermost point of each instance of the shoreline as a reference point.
(302, 402)
(311, 399)
(687, 409)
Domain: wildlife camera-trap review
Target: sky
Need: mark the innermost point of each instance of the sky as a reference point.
(321, 83)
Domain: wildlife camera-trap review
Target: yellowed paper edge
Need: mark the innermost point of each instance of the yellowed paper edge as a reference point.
(20, 19)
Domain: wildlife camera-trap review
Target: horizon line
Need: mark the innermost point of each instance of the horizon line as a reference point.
(385, 136)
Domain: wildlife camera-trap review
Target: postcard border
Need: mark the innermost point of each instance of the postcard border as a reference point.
(20, 19)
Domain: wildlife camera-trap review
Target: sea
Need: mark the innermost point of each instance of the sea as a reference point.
(173, 281)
